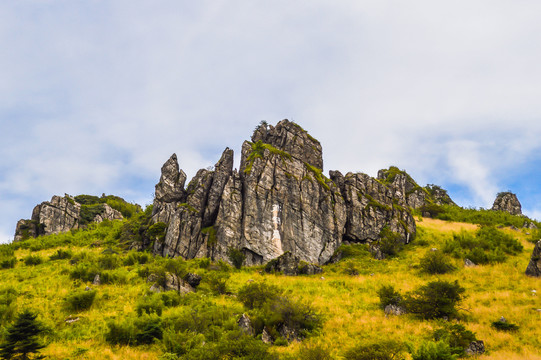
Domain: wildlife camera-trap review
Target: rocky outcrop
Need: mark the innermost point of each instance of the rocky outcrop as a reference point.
(534, 267)
(62, 214)
(410, 192)
(279, 202)
(288, 264)
(508, 202)
(372, 206)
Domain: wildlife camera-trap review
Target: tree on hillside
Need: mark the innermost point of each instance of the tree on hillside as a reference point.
(21, 338)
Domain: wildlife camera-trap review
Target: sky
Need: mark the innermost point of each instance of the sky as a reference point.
(96, 95)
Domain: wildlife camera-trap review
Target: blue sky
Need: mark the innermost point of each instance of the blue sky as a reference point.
(96, 95)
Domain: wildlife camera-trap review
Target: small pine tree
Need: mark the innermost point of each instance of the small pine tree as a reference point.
(21, 338)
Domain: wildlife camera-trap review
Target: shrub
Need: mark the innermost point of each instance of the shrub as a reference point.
(218, 282)
(380, 350)
(61, 254)
(256, 294)
(313, 352)
(435, 262)
(503, 325)
(8, 263)
(149, 328)
(390, 243)
(157, 231)
(389, 296)
(32, 260)
(80, 300)
(433, 351)
(152, 304)
(236, 257)
(108, 262)
(457, 336)
(298, 317)
(121, 333)
(487, 245)
(437, 299)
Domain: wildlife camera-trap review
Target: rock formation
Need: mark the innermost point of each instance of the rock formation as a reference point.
(279, 201)
(534, 267)
(61, 214)
(508, 202)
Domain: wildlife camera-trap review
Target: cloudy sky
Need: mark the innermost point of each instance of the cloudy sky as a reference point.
(96, 95)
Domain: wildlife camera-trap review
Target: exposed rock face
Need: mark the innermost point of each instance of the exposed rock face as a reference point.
(278, 202)
(59, 215)
(476, 348)
(172, 282)
(508, 202)
(245, 324)
(411, 193)
(371, 206)
(534, 267)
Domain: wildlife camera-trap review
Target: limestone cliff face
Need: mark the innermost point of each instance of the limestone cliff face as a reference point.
(279, 201)
(508, 202)
(59, 215)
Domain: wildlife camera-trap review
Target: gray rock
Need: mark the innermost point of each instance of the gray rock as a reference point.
(97, 280)
(289, 264)
(172, 283)
(476, 348)
(171, 185)
(288, 333)
(469, 263)
(59, 215)
(245, 324)
(394, 310)
(192, 279)
(266, 336)
(534, 266)
(508, 202)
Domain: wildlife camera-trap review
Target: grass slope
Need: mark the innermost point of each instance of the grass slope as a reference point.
(348, 304)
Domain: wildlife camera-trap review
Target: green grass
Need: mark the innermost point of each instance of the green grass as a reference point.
(349, 304)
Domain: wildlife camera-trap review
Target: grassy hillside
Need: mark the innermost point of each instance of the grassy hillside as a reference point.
(50, 273)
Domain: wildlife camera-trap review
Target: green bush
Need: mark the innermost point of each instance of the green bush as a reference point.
(32, 260)
(137, 258)
(503, 325)
(457, 336)
(149, 329)
(376, 350)
(218, 282)
(435, 262)
(8, 263)
(390, 243)
(80, 300)
(487, 245)
(434, 351)
(151, 304)
(61, 254)
(437, 299)
(108, 262)
(236, 257)
(389, 296)
(256, 294)
(121, 333)
(313, 352)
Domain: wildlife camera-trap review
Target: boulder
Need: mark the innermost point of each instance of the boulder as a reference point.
(394, 310)
(289, 264)
(469, 263)
(192, 279)
(508, 202)
(534, 267)
(476, 348)
(245, 325)
(172, 283)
